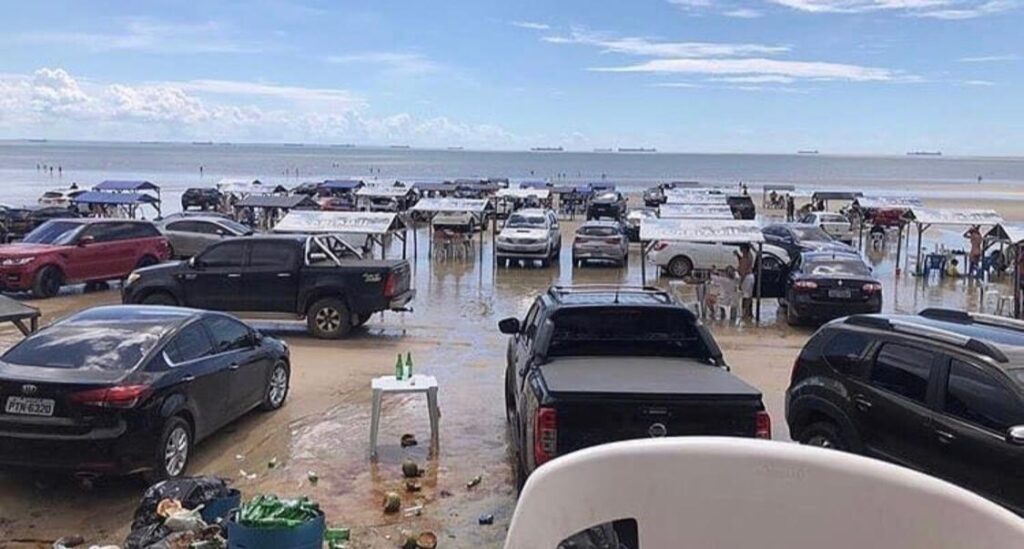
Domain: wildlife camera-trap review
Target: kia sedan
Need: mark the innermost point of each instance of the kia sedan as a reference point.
(126, 389)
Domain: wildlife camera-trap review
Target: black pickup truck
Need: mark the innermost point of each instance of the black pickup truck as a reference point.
(596, 364)
(319, 278)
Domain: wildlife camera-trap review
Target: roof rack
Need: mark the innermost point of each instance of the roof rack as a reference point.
(963, 317)
(929, 332)
(582, 288)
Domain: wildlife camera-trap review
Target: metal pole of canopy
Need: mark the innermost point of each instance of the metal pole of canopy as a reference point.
(1016, 281)
(430, 233)
(760, 271)
(494, 231)
(860, 235)
(920, 231)
(643, 263)
(481, 226)
(899, 247)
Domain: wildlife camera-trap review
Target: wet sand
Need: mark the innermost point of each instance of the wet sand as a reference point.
(324, 427)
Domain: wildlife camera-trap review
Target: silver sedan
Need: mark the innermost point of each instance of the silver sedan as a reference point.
(190, 235)
(600, 241)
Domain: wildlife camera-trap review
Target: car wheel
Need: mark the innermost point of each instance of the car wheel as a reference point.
(48, 282)
(823, 434)
(160, 298)
(329, 318)
(510, 407)
(173, 450)
(792, 317)
(680, 266)
(277, 388)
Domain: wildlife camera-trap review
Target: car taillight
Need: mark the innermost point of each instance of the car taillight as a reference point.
(660, 245)
(121, 396)
(872, 287)
(805, 285)
(613, 240)
(545, 435)
(390, 285)
(763, 427)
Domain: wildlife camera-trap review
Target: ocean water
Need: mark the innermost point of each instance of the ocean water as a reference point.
(176, 166)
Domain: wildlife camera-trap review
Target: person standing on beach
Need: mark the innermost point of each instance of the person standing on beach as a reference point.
(745, 268)
(790, 207)
(977, 240)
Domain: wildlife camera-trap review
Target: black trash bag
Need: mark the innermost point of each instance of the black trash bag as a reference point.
(147, 526)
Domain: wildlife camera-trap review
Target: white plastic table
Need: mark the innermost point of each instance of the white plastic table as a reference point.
(418, 383)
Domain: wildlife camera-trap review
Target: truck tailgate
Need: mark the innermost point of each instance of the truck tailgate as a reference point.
(607, 399)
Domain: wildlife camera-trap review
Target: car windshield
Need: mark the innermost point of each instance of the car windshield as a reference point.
(57, 233)
(519, 221)
(625, 331)
(88, 345)
(811, 234)
(235, 226)
(608, 196)
(598, 231)
(839, 267)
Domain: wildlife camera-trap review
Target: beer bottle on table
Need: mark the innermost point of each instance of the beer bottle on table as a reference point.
(398, 368)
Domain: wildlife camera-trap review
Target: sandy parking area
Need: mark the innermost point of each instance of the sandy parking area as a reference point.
(324, 426)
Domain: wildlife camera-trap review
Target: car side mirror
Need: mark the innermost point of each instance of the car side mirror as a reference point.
(195, 262)
(221, 233)
(257, 337)
(86, 240)
(1016, 435)
(509, 326)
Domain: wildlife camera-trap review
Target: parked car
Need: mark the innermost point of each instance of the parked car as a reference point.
(117, 390)
(742, 206)
(836, 225)
(318, 278)
(633, 219)
(15, 223)
(796, 238)
(600, 241)
(61, 198)
(191, 235)
(193, 214)
(598, 364)
(679, 259)
(71, 251)
(462, 222)
(941, 392)
(826, 285)
(530, 234)
(607, 204)
(204, 198)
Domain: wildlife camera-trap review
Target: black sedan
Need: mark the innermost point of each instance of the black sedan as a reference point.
(125, 389)
(798, 237)
(827, 285)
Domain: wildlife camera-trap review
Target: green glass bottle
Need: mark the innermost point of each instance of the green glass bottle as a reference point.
(398, 368)
(408, 364)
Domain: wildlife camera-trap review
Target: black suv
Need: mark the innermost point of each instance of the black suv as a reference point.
(202, 198)
(941, 392)
(607, 204)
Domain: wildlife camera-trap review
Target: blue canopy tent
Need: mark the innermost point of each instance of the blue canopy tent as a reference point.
(97, 202)
(132, 186)
(534, 185)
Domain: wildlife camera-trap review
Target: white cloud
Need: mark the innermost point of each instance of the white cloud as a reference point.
(753, 67)
(52, 103)
(686, 85)
(406, 63)
(647, 47)
(935, 9)
(742, 13)
(759, 79)
(990, 58)
(532, 25)
(982, 83)
(145, 35)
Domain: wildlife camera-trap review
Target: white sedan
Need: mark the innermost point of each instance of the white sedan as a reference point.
(681, 258)
(836, 225)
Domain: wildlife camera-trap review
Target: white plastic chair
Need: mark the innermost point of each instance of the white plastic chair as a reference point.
(726, 493)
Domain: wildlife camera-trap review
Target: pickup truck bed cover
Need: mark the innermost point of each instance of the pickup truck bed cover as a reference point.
(643, 376)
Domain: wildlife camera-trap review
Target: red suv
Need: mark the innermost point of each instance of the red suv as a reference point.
(69, 251)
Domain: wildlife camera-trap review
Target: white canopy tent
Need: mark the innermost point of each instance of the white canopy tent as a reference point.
(925, 218)
(539, 194)
(476, 207)
(732, 231)
(695, 198)
(244, 188)
(383, 191)
(695, 211)
(375, 226)
(897, 202)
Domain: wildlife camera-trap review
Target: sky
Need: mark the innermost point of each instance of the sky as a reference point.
(758, 76)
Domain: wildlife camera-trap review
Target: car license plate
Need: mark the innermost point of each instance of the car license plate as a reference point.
(29, 406)
(843, 293)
